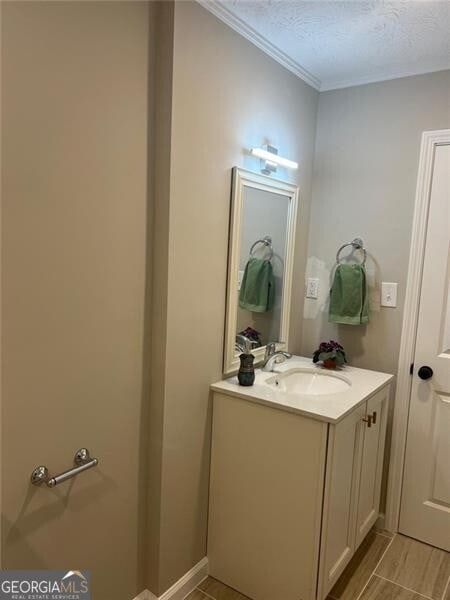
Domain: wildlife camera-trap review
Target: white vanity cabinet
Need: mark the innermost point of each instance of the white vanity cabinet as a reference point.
(291, 496)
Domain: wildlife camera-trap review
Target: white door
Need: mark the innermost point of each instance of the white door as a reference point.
(425, 507)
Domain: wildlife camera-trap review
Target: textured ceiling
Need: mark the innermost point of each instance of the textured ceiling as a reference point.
(334, 44)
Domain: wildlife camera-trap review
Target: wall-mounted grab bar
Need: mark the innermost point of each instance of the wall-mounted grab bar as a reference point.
(82, 462)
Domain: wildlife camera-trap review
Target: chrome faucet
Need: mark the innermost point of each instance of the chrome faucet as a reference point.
(273, 356)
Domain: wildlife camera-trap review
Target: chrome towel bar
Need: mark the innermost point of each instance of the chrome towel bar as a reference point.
(81, 460)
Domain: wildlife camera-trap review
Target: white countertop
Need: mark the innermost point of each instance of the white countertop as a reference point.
(326, 407)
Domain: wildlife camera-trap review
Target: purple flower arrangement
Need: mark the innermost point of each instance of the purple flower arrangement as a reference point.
(251, 334)
(331, 353)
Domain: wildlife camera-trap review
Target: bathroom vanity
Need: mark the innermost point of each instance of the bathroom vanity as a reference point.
(296, 469)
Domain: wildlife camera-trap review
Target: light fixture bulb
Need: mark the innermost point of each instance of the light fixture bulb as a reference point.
(273, 158)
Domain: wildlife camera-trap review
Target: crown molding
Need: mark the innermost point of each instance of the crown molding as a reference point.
(218, 9)
(338, 85)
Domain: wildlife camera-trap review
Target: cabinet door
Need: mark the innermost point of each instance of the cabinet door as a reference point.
(372, 464)
(341, 489)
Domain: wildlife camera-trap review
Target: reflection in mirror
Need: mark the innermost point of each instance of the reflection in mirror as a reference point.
(260, 265)
(262, 255)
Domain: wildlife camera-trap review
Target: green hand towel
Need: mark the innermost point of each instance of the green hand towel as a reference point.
(257, 291)
(349, 303)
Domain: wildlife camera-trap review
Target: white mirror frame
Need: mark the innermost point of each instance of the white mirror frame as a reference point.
(242, 179)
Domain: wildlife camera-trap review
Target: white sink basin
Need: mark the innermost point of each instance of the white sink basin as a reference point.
(309, 381)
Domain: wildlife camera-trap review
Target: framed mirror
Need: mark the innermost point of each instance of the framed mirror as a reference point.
(260, 264)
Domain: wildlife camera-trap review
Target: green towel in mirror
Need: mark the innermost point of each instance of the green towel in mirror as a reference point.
(257, 291)
(349, 303)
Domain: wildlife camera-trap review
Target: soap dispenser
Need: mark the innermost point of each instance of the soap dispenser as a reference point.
(246, 374)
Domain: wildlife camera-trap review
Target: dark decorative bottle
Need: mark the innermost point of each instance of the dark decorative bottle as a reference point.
(246, 374)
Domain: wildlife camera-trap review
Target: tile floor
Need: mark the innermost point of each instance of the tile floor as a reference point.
(385, 567)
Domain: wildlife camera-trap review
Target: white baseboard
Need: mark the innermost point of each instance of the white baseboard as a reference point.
(381, 522)
(145, 595)
(184, 586)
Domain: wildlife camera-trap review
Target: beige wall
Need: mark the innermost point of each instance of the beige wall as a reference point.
(365, 171)
(227, 96)
(80, 268)
(1, 295)
(74, 201)
(159, 260)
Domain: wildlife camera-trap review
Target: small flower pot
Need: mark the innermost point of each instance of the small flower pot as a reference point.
(329, 363)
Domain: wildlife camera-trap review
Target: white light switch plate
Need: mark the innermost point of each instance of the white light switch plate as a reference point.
(312, 288)
(389, 294)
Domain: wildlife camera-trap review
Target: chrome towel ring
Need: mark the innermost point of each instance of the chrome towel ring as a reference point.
(357, 244)
(267, 241)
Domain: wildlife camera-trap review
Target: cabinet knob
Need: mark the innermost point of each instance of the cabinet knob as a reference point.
(374, 417)
(425, 372)
(368, 420)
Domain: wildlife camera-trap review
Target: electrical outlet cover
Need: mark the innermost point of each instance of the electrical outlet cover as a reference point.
(312, 288)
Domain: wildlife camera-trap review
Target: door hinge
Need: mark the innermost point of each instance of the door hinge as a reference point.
(411, 369)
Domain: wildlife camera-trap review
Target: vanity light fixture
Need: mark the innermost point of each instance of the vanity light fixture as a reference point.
(270, 159)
